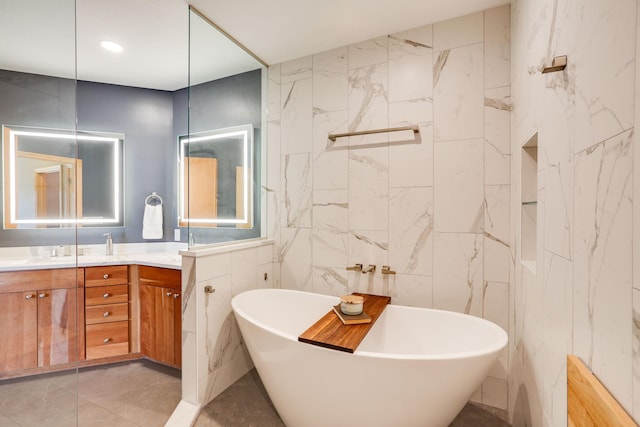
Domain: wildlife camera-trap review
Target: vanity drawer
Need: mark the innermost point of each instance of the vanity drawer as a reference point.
(107, 275)
(107, 313)
(102, 295)
(107, 339)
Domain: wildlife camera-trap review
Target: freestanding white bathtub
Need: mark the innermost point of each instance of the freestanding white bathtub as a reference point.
(416, 367)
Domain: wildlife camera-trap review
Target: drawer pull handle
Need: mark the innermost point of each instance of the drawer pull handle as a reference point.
(42, 295)
(106, 276)
(105, 314)
(176, 296)
(106, 340)
(28, 296)
(169, 293)
(106, 295)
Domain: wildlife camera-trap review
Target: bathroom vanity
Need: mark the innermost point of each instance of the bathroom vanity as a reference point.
(56, 317)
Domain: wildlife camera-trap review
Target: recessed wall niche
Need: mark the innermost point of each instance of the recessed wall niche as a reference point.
(529, 199)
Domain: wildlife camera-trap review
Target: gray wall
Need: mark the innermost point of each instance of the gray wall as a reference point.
(151, 121)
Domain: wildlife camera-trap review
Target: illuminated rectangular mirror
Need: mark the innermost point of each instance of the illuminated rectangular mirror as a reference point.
(215, 178)
(58, 178)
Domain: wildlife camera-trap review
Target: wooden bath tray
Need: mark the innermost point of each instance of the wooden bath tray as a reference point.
(330, 332)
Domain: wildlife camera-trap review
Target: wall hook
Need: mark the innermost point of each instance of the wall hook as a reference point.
(559, 63)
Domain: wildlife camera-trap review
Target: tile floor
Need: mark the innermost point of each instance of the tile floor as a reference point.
(142, 393)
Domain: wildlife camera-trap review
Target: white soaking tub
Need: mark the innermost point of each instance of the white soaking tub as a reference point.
(416, 366)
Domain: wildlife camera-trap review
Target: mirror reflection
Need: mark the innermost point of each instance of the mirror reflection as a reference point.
(215, 178)
(46, 170)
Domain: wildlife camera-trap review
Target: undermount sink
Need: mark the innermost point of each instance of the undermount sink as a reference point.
(13, 262)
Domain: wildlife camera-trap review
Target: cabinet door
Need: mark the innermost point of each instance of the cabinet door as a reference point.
(57, 327)
(157, 323)
(18, 331)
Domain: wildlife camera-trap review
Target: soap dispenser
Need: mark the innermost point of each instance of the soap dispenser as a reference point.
(109, 243)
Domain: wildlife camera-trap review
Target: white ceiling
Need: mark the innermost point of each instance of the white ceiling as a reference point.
(39, 36)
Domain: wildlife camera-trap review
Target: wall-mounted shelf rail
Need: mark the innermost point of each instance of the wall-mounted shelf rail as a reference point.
(334, 136)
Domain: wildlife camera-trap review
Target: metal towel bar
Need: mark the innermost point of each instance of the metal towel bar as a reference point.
(414, 128)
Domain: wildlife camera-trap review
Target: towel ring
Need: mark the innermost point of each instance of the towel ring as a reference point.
(151, 197)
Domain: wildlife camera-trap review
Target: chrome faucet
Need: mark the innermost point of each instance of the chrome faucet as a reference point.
(370, 269)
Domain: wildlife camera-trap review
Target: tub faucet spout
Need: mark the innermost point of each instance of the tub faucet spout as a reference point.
(370, 269)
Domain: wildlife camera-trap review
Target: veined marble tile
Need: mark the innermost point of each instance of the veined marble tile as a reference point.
(458, 94)
(265, 254)
(496, 216)
(495, 307)
(274, 215)
(295, 269)
(497, 259)
(411, 64)
(557, 326)
(274, 73)
(330, 159)
(462, 31)
(296, 120)
(555, 157)
(602, 306)
(330, 228)
(497, 150)
(497, 47)
(458, 186)
(494, 392)
(330, 80)
(411, 290)
(457, 272)
(368, 103)
(604, 64)
(189, 291)
(368, 247)
(296, 69)
(297, 190)
(274, 156)
(244, 270)
(411, 230)
(411, 164)
(368, 52)
(273, 99)
(368, 189)
(330, 280)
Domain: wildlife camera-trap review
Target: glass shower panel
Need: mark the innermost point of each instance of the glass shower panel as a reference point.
(41, 321)
(220, 152)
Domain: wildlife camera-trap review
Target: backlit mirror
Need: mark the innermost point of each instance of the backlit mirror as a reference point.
(215, 175)
(46, 170)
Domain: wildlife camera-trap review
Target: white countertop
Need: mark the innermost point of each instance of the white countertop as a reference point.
(37, 258)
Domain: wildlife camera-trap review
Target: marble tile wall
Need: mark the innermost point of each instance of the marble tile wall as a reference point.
(434, 207)
(578, 297)
(214, 355)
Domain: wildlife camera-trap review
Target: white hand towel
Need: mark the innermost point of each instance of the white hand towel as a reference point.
(152, 222)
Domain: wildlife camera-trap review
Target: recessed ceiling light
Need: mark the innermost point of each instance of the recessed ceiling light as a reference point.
(111, 46)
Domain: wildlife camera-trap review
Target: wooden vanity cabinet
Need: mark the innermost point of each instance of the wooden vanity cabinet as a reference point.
(107, 311)
(160, 314)
(42, 312)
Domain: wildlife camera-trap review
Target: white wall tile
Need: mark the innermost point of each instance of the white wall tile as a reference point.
(411, 290)
(457, 32)
(297, 186)
(457, 272)
(330, 228)
(497, 151)
(458, 186)
(603, 264)
(330, 80)
(497, 47)
(368, 188)
(411, 230)
(296, 119)
(294, 70)
(330, 281)
(330, 159)
(411, 65)
(368, 52)
(458, 94)
(411, 162)
(368, 105)
(295, 268)
(604, 64)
